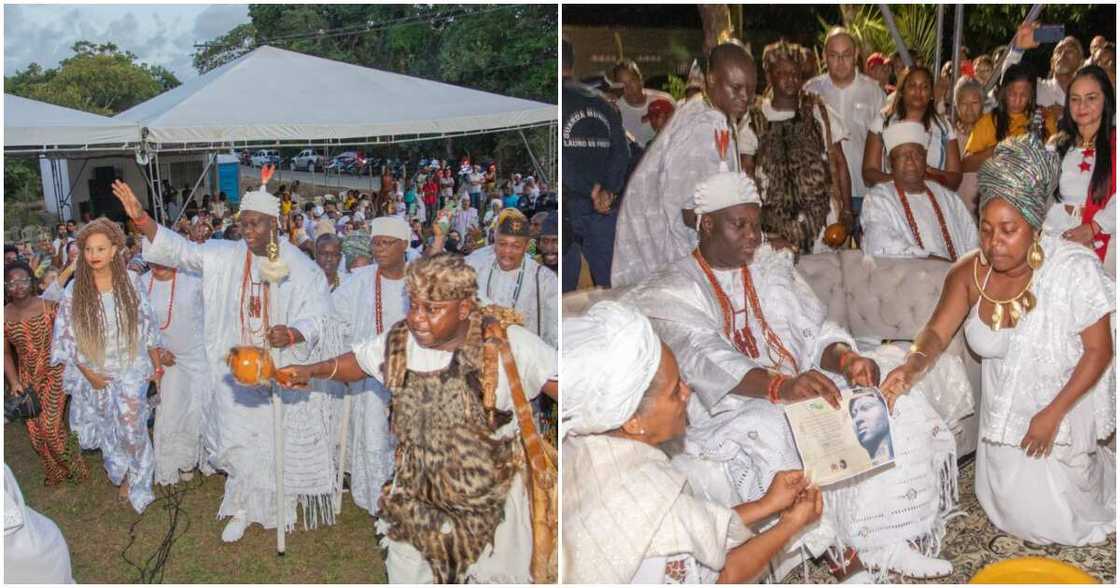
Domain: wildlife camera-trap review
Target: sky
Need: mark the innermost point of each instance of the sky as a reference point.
(158, 34)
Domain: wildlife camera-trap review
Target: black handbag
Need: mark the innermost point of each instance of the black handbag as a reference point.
(24, 405)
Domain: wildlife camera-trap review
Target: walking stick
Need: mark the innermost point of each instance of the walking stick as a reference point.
(342, 439)
(278, 461)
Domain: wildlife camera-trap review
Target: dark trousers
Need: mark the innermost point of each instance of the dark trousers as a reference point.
(591, 234)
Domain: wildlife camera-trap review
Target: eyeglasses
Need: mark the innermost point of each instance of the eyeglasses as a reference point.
(19, 282)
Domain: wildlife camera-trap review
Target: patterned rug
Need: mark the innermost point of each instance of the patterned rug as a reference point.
(971, 543)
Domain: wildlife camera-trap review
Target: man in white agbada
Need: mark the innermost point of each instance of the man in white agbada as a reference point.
(911, 216)
(629, 515)
(458, 509)
(750, 334)
(855, 96)
(655, 223)
(252, 300)
(183, 437)
(509, 277)
(366, 305)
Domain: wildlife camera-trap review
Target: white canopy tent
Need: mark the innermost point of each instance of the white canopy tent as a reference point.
(33, 126)
(273, 95)
(268, 98)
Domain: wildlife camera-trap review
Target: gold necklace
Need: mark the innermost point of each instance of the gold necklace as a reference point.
(1016, 306)
(1088, 143)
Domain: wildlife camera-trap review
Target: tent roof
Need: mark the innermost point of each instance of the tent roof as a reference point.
(273, 94)
(30, 123)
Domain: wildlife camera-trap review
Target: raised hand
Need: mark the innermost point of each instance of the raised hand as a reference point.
(128, 200)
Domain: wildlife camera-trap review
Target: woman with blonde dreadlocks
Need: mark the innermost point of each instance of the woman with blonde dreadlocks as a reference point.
(457, 508)
(106, 336)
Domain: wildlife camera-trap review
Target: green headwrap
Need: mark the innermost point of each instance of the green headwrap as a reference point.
(357, 244)
(1024, 173)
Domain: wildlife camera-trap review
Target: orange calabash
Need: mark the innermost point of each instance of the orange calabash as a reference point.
(835, 235)
(250, 366)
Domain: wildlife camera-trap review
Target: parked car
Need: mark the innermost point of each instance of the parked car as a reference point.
(307, 160)
(266, 156)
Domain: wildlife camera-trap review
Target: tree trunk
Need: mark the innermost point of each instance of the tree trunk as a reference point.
(717, 24)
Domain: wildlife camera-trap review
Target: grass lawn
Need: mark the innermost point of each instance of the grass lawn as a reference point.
(96, 528)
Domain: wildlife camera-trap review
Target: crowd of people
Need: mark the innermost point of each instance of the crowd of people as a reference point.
(696, 215)
(366, 304)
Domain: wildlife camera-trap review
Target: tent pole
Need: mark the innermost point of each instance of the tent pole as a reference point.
(937, 51)
(536, 164)
(899, 44)
(159, 179)
(57, 188)
(209, 162)
(958, 28)
(70, 193)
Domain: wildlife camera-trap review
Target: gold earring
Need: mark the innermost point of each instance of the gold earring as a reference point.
(1035, 256)
(983, 260)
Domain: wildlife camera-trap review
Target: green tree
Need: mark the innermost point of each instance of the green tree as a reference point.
(98, 78)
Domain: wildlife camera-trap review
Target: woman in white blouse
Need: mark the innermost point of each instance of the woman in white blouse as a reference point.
(1085, 210)
(913, 101)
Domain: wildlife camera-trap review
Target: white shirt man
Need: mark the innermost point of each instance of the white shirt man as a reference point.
(857, 98)
(509, 277)
(942, 225)
(632, 115)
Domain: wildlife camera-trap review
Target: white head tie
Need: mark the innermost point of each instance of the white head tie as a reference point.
(610, 356)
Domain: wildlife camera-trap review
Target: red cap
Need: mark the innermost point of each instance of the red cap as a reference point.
(659, 106)
(873, 60)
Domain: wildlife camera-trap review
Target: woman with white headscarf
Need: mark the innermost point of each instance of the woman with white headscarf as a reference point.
(629, 516)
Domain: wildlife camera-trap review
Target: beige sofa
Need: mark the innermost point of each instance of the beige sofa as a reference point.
(873, 298)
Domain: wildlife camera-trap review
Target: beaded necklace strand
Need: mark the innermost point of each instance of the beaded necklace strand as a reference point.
(914, 225)
(743, 339)
(258, 304)
(170, 300)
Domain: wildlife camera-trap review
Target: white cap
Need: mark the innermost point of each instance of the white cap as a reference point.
(901, 133)
(262, 202)
(613, 353)
(724, 190)
(390, 226)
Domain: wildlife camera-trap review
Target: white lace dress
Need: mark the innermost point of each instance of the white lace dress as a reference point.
(1069, 497)
(113, 419)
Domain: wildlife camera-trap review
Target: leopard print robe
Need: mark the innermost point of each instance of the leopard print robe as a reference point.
(794, 179)
(452, 478)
